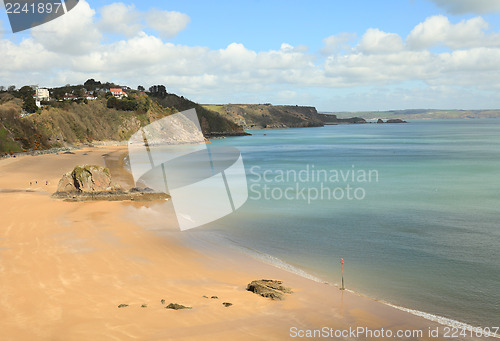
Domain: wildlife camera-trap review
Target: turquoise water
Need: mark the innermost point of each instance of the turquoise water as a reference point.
(423, 232)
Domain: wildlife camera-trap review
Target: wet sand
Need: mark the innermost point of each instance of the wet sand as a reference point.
(65, 267)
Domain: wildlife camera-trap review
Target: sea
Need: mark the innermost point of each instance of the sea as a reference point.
(412, 209)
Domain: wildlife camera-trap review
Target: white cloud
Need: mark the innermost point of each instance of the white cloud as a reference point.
(26, 57)
(376, 41)
(338, 43)
(438, 31)
(121, 19)
(73, 33)
(469, 6)
(72, 51)
(167, 23)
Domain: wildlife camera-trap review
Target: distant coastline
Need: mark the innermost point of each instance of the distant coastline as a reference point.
(419, 114)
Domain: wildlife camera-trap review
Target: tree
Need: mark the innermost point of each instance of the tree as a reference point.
(26, 91)
(158, 90)
(2, 88)
(140, 88)
(30, 104)
(11, 88)
(112, 101)
(92, 84)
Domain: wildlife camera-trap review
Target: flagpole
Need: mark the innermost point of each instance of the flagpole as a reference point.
(342, 265)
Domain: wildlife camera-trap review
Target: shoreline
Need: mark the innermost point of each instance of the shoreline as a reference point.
(65, 268)
(281, 264)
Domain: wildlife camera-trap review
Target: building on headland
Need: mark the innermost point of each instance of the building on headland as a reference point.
(69, 97)
(41, 94)
(118, 93)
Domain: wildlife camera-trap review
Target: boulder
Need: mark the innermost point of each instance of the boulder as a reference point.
(269, 288)
(90, 178)
(380, 120)
(93, 183)
(176, 306)
(86, 179)
(66, 184)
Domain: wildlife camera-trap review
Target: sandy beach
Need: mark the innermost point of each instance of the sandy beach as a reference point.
(65, 267)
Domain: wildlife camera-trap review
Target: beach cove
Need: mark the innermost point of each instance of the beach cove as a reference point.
(65, 267)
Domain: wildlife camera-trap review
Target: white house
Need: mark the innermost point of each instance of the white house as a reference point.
(118, 93)
(42, 94)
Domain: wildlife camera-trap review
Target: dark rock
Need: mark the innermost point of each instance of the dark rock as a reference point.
(142, 190)
(396, 120)
(123, 305)
(75, 196)
(215, 297)
(352, 120)
(380, 120)
(269, 288)
(227, 304)
(162, 301)
(176, 306)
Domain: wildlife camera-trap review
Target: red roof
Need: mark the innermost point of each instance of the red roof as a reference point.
(117, 91)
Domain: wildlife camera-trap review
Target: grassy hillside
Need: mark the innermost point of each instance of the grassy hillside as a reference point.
(212, 122)
(17, 135)
(256, 116)
(73, 122)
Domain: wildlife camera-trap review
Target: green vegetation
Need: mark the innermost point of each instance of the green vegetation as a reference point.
(17, 134)
(212, 123)
(255, 116)
(69, 118)
(126, 104)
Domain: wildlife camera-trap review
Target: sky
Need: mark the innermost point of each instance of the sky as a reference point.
(357, 55)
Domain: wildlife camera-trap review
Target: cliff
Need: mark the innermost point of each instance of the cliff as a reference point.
(330, 119)
(258, 116)
(213, 124)
(66, 123)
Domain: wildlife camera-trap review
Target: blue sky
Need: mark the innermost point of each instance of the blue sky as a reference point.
(335, 55)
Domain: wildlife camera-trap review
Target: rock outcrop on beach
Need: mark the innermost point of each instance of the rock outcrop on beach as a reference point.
(269, 288)
(176, 306)
(91, 182)
(87, 179)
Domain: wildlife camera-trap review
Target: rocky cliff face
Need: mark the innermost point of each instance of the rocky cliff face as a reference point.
(330, 119)
(257, 116)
